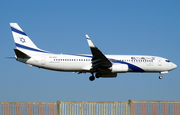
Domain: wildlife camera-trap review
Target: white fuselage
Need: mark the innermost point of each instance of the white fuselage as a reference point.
(83, 63)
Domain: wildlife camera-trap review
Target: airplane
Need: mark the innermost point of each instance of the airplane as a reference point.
(104, 66)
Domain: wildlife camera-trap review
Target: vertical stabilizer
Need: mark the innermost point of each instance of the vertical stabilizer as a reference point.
(20, 37)
(22, 41)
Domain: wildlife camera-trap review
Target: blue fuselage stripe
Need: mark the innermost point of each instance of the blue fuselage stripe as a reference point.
(131, 66)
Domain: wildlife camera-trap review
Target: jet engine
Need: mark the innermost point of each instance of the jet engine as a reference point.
(119, 68)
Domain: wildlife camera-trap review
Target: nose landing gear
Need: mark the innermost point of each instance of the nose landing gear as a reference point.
(160, 73)
(160, 77)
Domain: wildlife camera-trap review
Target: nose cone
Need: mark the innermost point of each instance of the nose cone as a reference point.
(174, 66)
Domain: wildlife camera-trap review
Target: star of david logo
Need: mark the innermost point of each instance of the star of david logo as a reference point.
(22, 40)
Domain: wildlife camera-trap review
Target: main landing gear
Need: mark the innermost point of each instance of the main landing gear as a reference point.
(92, 78)
(98, 74)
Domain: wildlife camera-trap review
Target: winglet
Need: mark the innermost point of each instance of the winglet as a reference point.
(87, 36)
(89, 41)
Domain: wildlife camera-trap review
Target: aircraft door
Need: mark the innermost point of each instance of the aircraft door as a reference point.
(43, 60)
(159, 62)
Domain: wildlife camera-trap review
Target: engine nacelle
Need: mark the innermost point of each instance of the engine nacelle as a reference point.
(119, 68)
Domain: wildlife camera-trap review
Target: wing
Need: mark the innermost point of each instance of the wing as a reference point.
(99, 60)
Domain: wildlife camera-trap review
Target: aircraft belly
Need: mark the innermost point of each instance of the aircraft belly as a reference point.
(71, 66)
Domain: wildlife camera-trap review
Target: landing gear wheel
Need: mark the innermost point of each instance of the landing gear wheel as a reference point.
(98, 75)
(91, 78)
(160, 77)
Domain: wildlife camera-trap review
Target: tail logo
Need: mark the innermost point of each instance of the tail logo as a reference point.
(22, 40)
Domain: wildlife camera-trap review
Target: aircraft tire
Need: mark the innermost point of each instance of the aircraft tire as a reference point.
(160, 77)
(91, 78)
(98, 75)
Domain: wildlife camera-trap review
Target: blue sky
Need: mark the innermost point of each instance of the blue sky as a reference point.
(115, 27)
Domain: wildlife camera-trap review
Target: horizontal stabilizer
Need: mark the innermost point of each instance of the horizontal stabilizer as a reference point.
(20, 54)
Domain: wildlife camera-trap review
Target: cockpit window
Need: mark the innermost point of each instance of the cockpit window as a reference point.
(167, 61)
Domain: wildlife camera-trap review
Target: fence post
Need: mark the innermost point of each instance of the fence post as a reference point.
(57, 106)
(129, 107)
